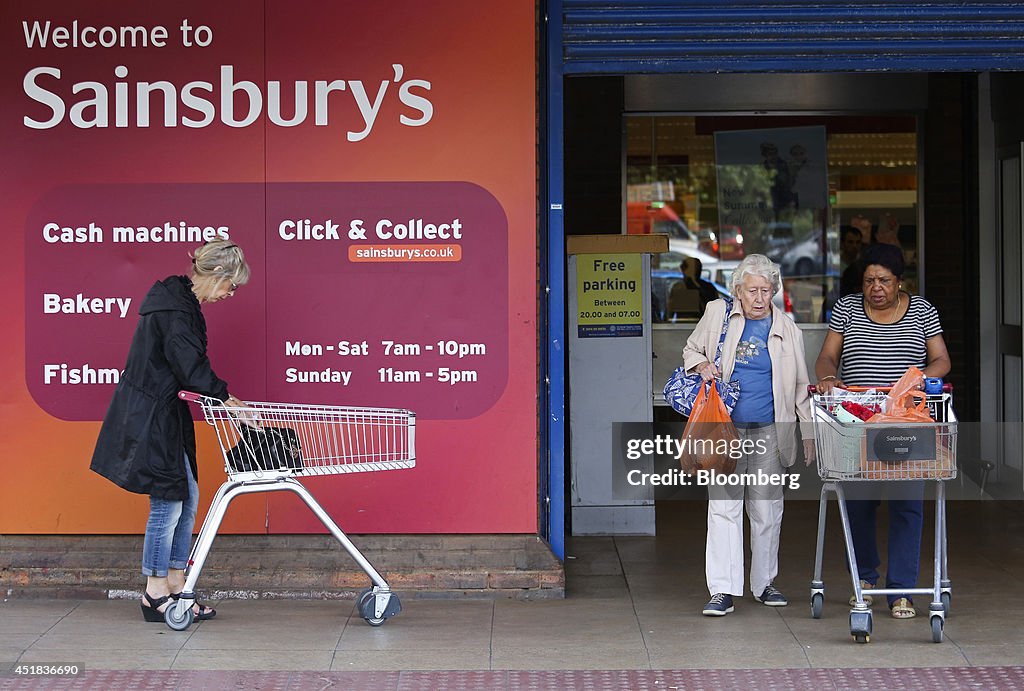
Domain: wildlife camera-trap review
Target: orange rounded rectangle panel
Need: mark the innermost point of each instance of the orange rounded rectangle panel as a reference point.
(405, 253)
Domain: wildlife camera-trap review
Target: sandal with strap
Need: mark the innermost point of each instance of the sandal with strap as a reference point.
(151, 612)
(204, 612)
(864, 587)
(903, 608)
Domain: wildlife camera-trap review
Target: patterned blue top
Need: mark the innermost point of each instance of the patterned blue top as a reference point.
(753, 370)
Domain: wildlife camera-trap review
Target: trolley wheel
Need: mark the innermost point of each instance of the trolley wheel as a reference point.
(817, 600)
(937, 629)
(946, 598)
(366, 602)
(860, 625)
(178, 621)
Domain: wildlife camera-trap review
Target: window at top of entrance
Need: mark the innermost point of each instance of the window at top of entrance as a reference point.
(807, 191)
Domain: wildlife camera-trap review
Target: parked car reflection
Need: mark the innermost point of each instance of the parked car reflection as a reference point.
(724, 242)
(657, 217)
(796, 257)
(666, 272)
(805, 258)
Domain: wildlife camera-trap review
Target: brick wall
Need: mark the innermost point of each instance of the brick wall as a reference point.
(290, 566)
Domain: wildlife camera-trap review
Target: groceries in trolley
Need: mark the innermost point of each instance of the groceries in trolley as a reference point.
(911, 437)
(885, 434)
(265, 448)
(851, 411)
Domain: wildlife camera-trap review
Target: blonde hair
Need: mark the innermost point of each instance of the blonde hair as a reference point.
(220, 259)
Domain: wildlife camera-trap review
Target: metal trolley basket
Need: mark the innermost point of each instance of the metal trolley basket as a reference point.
(268, 447)
(859, 452)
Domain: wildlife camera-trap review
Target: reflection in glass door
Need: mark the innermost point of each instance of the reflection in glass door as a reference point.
(791, 187)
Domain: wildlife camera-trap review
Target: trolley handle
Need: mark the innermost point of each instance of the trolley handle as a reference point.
(193, 397)
(812, 389)
(248, 416)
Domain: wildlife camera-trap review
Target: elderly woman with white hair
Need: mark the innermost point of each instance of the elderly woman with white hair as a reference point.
(763, 351)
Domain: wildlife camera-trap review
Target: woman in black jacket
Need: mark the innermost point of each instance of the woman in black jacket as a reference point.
(147, 443)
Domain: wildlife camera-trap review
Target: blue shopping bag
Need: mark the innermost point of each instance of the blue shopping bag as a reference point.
(681, 389)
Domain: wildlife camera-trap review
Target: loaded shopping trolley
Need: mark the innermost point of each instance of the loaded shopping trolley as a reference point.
(269, 447)
(849, 450)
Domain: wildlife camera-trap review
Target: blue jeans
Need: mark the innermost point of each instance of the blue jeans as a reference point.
(906, 518)
(169, 531)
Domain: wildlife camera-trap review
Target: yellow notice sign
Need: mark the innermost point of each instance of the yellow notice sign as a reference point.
(609, 295)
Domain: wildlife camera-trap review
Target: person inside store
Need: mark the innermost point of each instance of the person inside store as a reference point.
(691, 295)
(850, 243)
(852, 270)
(147, 442)
(781, 180)
(764, 352)
(873, 338)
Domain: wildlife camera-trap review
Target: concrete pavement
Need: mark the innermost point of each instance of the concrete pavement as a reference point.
(630, 619)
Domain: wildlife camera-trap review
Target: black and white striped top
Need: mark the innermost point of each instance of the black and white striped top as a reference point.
(879, 354)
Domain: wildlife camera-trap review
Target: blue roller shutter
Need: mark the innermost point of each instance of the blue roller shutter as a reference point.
(681, 36)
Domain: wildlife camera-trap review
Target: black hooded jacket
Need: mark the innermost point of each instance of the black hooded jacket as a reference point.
(148, 430)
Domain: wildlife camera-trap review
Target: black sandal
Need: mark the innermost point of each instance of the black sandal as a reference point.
(205, 612)
(151, 612)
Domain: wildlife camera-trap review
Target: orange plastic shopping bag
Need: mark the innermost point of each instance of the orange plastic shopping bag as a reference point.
(900, 404)
(882, 460)
(709, 438)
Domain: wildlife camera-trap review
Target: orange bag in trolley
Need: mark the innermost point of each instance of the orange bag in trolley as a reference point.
(899, 404)
(709, 435)
(899, 453)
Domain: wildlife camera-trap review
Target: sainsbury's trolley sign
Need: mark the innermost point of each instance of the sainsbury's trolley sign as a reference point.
(895, 444)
